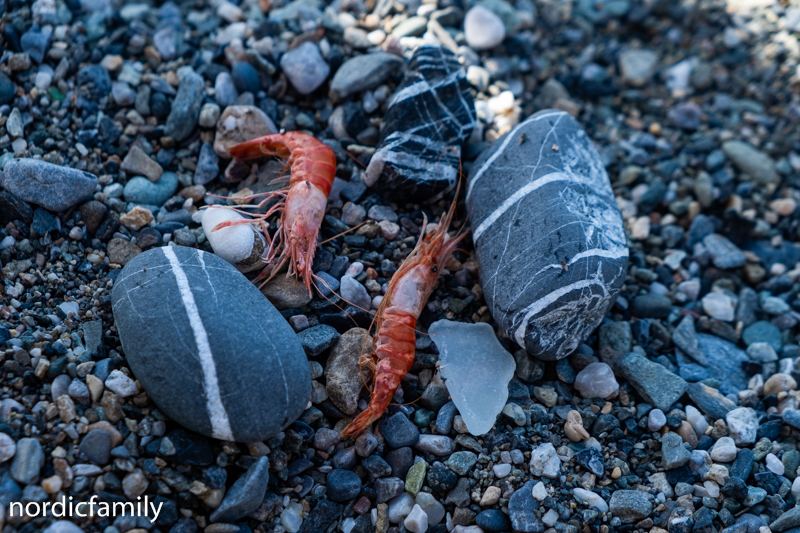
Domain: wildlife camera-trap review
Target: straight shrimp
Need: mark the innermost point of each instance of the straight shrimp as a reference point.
(396, 319)
(302, 202)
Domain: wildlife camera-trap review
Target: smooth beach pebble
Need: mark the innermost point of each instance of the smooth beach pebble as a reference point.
(207, 347)
(548, 234)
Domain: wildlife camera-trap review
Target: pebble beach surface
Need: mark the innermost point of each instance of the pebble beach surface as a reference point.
(658, 286)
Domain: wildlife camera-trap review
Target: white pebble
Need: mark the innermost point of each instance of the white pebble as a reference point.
(355, 269)
(7, 447)
(696, 420)
(432, 508)
(724, 450)
(591, 499)
(712, 489)
(656, 420)
(121, 384)
(550, 517)
(796, 488)
(400, 507)
(417, 520)
(539, 491)
(291, 518)
(501, 470)
(347, 525)
(234, 244)
(596, 381)
(774, 464)
(483, 29)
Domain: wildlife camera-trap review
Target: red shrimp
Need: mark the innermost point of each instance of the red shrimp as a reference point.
(396, 319)
(303, 201)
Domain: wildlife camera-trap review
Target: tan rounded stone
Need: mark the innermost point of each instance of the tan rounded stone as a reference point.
(240, 123)
(573, 427)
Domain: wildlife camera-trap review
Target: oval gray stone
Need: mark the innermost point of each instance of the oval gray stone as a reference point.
(53, 187)
(548, 234)
(208, 347)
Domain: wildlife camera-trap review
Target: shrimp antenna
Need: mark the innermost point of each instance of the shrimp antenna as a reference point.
(354, 158)
(342, 233)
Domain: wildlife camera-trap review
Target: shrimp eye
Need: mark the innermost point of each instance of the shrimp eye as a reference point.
(434, 269)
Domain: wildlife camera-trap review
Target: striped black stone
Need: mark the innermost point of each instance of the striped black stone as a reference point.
(432, 110)
(208, 347)
(548, 234)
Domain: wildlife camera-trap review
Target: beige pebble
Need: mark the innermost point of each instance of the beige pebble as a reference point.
(778, 383)
(111, 62)
(640, 229)
(491, 496)
(687, 433)
(573, 427)
(783, 206)
(95, 386)
(52, 484)
(136, 218)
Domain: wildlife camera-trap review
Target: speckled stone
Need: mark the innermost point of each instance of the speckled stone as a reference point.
(207, 347)
(51, 186)
(548, 234)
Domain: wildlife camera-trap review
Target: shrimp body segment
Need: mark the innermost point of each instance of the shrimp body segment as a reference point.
(302, 208)
(406, 297)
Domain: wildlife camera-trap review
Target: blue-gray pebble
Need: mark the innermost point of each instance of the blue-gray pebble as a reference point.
(140, 190)
(53, 187)
(207, 347)
(185, 107)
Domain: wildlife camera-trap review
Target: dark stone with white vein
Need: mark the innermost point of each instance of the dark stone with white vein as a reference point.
(429, 117)
(548, 234)
(207, 347)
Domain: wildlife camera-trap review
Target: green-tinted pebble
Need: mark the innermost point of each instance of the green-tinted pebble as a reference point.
(415, 478)
(761, 449)
(791, 460)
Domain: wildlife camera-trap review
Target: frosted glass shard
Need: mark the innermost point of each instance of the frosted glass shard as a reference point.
(476, 369)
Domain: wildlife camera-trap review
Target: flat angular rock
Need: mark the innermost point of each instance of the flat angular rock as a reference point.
(343, 374)
(685, 337)
(185, 107)
(710, 401)
(53, 187)
(477, 370)
(429, 117)
(245, 495)
(723, 252)
(548, 234)
(752, 161)
(521, 510)
(363, 72)
(208, 347)
(724, 363)
(657, 385)
(631, 505)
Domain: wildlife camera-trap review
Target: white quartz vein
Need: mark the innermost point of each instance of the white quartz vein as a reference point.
(509, 137)
(546, 300)
(220, 425)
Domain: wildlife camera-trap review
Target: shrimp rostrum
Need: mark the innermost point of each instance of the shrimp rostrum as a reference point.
(301, 203)
(396, 319)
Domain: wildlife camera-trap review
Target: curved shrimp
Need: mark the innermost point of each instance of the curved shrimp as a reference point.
(303, 200)
(405, 298)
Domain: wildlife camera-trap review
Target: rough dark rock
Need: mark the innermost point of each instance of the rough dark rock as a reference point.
(245, 495)
(428, 119)
(657, 385)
